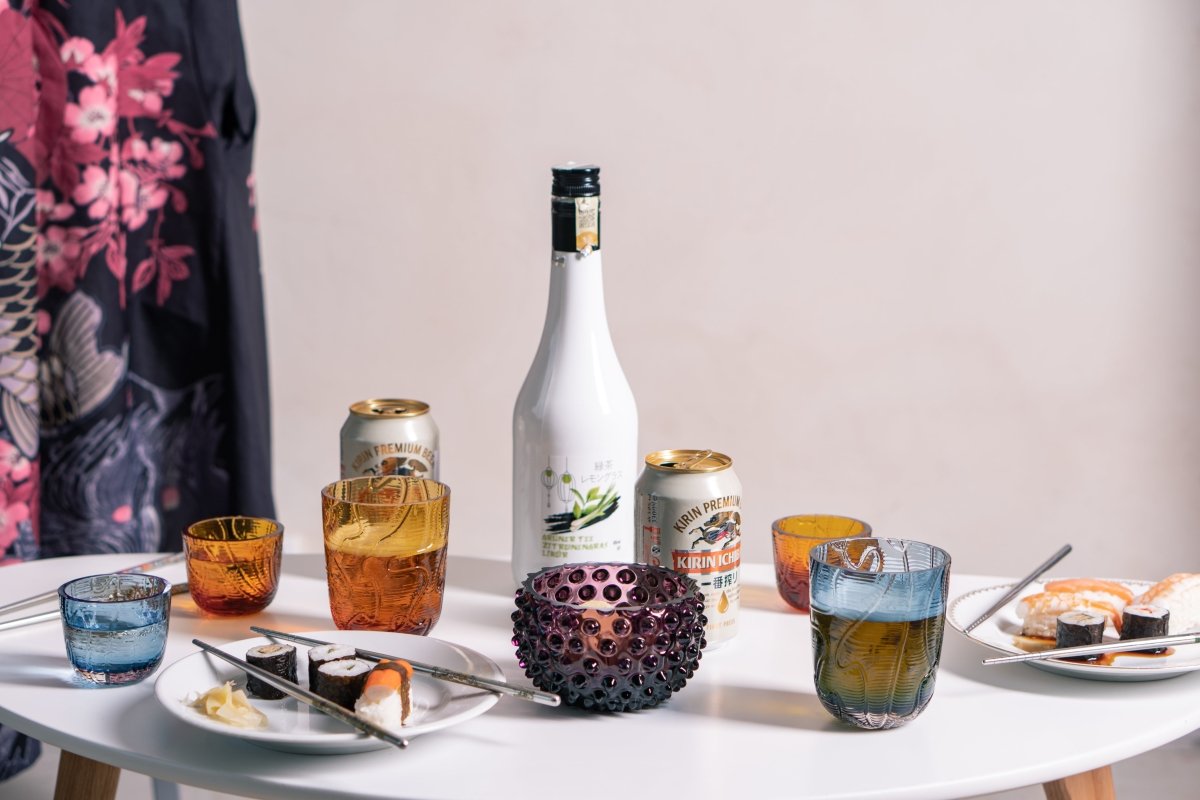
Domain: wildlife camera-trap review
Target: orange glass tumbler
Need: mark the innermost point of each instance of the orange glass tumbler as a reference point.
(233, 564)
(792, 538)
(385, 552)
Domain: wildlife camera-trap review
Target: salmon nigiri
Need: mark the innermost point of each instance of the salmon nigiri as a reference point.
(386, 698)
(1117, 595)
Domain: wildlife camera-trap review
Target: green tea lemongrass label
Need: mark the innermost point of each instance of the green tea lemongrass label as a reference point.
(580, 496)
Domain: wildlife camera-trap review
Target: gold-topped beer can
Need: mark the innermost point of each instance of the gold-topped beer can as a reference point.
(386, 436)
(689, 518)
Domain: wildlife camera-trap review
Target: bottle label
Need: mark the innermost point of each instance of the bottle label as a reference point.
(580, 498)
(587, 224)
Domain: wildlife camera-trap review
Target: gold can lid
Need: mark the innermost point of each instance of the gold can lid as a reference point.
(387, 407)
(688, 461)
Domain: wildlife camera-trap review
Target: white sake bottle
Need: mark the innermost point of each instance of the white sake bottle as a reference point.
(575, 453)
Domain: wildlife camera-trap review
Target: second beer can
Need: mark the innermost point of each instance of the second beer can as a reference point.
(689, 518)
(390, 437)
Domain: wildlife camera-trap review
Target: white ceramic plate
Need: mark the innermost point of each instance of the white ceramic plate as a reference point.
(296, 728)
(998, 632)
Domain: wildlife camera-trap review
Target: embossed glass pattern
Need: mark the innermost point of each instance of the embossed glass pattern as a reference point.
(385, 552)
(878, 612)
(793, 537)
(609, 637)
(115, 626)
(233, 564)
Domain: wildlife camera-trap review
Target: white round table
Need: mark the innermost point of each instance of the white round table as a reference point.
(748, 725)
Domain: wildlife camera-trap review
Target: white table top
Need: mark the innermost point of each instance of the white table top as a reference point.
(749, 723)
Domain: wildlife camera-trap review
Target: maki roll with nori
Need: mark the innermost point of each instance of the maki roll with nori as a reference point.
(1075, 628)
(278, 659)
(342, 681)
(1145, 622)
(323, 654)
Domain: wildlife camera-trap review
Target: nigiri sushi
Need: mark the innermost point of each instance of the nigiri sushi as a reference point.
(1180, 594)
(386, 698)
(1039, 612)
(1117, 595)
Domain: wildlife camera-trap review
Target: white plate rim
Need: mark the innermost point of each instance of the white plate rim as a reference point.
(1147, 670)
(473, 701)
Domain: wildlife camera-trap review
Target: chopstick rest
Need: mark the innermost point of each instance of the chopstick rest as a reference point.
(305, 696)
(520, 692)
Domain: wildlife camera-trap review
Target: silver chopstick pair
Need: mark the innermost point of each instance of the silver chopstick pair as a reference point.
(1015, 590)
(441, 673)
(163, 561)
(1125, 645)
(305, 696)
(46, 616)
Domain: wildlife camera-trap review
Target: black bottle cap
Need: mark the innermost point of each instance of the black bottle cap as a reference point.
(576, 180)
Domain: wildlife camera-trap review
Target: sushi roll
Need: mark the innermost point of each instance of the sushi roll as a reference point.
(278, 659)
(323, 654)
(387, 696)
(1075, 628)
(342, 681)
(1145, 622)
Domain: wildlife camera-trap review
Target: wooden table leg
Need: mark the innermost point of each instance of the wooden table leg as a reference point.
(1094, 785)
(81, 778)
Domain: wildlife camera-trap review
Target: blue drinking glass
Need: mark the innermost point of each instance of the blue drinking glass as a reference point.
(878, 610)
(115, 626)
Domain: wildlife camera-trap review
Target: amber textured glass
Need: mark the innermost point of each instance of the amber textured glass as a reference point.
(793, 537)
(233, 564)
(385, 552)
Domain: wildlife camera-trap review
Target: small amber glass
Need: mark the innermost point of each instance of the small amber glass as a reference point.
(233, 564)
(385, 552)
(792, 538)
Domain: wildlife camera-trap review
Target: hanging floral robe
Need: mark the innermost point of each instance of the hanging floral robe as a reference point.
(133, 373)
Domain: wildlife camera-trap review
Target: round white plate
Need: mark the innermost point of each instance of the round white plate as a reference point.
(998, 632)
(296, 728)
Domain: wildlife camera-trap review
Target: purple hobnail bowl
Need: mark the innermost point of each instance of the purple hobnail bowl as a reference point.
(609, 637)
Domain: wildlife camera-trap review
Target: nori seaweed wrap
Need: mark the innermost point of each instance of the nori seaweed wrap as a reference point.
(323, 654)
(278, 659)
(1145, 622)
(1075, 628)
(342, 681)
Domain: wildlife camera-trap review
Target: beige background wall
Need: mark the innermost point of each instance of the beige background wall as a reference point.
(933, 264)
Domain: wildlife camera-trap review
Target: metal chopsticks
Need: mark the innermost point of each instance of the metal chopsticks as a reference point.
(1125, 645)
(544, 698)
(33, 619)
(305, 696)
(46, 616)
(1015, 590)
(171, 558)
